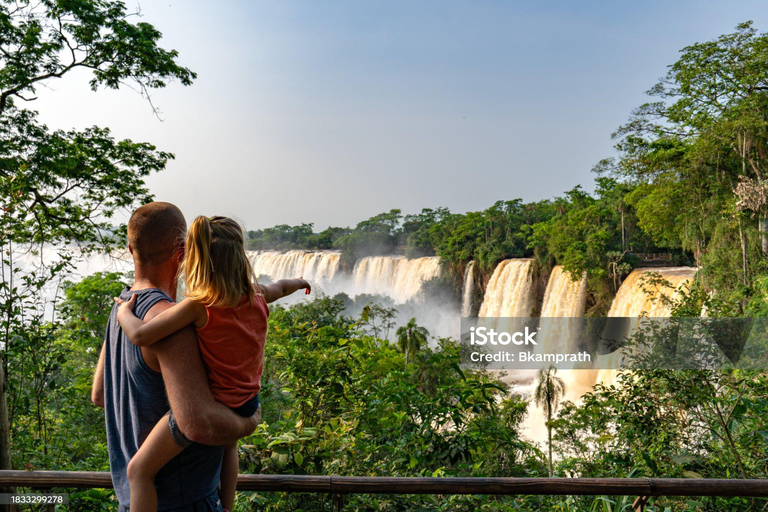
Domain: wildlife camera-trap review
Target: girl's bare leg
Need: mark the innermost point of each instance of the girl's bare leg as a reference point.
(229, 470)
(156, 451)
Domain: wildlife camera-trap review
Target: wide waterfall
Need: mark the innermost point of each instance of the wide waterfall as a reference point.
(468, 289)
(638, 296)
(395, 276)
(319, 267)
(509, 291)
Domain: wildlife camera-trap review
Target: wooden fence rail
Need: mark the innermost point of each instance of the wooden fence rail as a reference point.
(342, 485)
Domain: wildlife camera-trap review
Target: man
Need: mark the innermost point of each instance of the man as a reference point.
(136, 385)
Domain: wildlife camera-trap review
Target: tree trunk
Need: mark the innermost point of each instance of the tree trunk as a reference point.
(549, 435)
(549, 428)
(763, 228)
(5, 428)
(744, 260)
(623, 241)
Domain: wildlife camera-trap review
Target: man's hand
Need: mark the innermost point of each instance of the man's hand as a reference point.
(254, 421)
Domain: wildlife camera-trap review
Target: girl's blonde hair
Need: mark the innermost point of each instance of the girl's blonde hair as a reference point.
(216, 267)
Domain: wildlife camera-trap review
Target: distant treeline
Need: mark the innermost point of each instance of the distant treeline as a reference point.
(594, 233)
(579, 230)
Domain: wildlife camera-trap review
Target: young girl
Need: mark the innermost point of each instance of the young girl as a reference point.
(229, 310)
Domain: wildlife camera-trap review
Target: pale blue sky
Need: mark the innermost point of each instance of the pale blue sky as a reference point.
(333, 111)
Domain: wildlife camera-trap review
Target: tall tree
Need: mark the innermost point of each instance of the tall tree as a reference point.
(411, 337)
(703, 143)
(60, 189)
(549, 391)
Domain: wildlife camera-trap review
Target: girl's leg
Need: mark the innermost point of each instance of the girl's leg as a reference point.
(156, 451)
(229, 470)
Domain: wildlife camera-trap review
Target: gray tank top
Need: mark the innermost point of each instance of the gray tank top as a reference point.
(134, 401)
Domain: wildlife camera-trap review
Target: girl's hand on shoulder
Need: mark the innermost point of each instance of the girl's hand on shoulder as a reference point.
(125, 306)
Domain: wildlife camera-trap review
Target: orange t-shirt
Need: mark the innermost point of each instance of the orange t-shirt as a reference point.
(232, 346)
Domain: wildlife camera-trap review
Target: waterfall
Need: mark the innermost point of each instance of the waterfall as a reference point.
(509, 291)
(319, 267)
(469, 288)
(637, 298)
(395, 276)
(564, 297)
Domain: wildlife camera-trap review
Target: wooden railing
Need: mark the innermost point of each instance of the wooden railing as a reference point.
(339, 486)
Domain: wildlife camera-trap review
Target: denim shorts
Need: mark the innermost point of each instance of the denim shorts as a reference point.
(246, 410)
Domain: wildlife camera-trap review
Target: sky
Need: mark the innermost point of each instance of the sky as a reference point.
(331, 112)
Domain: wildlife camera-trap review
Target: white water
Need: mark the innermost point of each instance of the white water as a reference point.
(563, 298)
(637, 298)
(395, 276)
(509, 291)
(566, 298)
(319, 267)
(392, 276)
(468, 289)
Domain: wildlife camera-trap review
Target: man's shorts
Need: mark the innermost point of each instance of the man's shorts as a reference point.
(210, 503)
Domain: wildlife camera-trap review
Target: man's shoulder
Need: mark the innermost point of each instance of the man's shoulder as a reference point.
(158, 307)
(150, 302)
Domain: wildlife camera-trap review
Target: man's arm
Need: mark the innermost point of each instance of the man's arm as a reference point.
(201, 418)
(97, 390)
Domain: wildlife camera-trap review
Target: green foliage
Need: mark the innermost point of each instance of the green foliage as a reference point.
(45, 40)
(50, 370)
(284, 237)
(60, 189)
(371, 237)
(339, 401)
(410, 338)
(697, 152)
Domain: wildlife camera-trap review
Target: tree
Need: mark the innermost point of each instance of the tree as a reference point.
(411, 337)
(702, 143)
(60, 189)
(549, 391)
(41, 41)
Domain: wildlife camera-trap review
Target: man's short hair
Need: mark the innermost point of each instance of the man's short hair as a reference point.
(155, 231)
